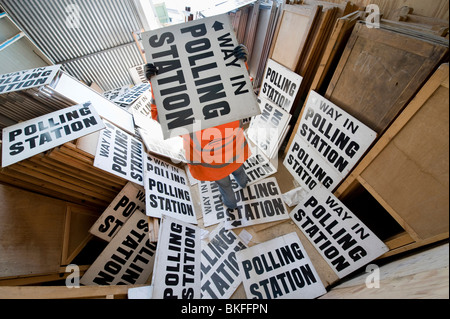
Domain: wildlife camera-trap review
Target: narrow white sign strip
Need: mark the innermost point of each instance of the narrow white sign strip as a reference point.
(120, 154)
(177, 273)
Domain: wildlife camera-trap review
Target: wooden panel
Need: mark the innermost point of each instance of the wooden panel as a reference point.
(292, 31)
(379, 73)
(31, 232)
(411, 173)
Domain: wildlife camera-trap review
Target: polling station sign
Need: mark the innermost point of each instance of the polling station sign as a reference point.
(200, 83)
(42, 133)
(267, 129)
(337, 136)
(220, 270)
(280, 85)
(177, 272)
(258, 203)
(128, 259)
(257, 167)
(167, 191)
(308, 167)
(130, 199)
(120, 154)
(339, 235)
(279, 268)
(27, 79)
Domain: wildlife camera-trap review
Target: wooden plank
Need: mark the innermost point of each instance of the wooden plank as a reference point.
(336, 44)
(287, 49)
(62, 292)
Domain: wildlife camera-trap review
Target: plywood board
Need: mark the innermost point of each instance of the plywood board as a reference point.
(411, 172)
(292, 31)
(380, 71)
(31, 232)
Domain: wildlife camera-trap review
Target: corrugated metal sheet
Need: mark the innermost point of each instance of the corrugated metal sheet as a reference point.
(91, 39)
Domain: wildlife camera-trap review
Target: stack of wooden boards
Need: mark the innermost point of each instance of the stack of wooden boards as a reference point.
(67, 173)
(304, 33)
(378, 70)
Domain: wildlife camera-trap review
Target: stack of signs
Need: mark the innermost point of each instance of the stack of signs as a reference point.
(200, 83)
(328, 144)
(128, 259)
(257, 167)
(167, 191)
(131, 95)
(280, 85)
(42, 133)
(120, 154)
(177, 273)
(279, 268)
(130, 199)
(258, 203)
(220, 271)
(341, 238)
(268, 129)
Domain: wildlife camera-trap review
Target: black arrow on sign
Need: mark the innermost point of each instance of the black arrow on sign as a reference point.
(236, 223)
(217, 26)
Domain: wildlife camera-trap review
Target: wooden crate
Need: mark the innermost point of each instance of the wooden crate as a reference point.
(406, 171)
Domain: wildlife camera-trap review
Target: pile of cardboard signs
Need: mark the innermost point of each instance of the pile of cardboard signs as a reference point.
(151, 224)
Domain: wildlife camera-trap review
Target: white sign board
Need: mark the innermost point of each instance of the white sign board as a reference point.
(177, 273)
(308, 167)
(279, 268)
(337, 136)
(341, 238)
(154, 143)
(167, 191)
(200, 83)
(120, 154)
(257, 167)
(267, 129)
(258, 203)
(220, 271)
(132, 94)
(42, 133)
(129, 199)
(138, 74)
(280, 85)
(128, 259)
(27, 79)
